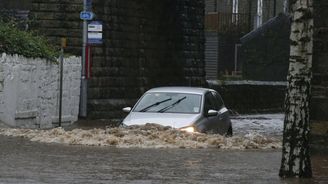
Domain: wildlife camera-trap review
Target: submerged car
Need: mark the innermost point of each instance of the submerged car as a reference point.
(189, 109)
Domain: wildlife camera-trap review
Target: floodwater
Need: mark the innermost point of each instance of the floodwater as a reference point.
(147, 136)
(23, 161)
(250, 132)
(149, 154)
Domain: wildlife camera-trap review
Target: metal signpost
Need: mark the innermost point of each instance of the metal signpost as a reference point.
(85, 15)
(92, 34)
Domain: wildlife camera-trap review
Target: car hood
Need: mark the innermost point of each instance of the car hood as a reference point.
(174, 120)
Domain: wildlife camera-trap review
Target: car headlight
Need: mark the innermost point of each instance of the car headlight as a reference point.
(188, 129)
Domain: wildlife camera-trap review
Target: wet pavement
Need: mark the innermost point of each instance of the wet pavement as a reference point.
(23, 161)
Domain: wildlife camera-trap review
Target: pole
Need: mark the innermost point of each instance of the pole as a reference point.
(61, 60)
(84, 81)
(61, 86)
(236, 57)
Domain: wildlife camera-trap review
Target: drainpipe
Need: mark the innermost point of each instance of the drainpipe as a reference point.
(274, 8)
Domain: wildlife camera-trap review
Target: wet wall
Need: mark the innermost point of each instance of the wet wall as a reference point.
(147, 43)
(249, 97)
(319, 103)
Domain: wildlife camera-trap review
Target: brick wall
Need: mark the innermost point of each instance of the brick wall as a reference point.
(15, 4)
(59, 18)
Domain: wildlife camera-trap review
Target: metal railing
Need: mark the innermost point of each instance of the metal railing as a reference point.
(227, 22)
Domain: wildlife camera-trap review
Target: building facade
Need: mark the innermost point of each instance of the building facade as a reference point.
(226, 21)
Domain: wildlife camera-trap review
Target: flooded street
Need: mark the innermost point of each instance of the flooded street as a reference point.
(25, 161)
(250, 132)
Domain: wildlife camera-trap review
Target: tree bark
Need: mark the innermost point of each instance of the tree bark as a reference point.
(295, 153)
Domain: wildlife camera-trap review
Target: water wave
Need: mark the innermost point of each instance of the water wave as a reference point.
(147, 136)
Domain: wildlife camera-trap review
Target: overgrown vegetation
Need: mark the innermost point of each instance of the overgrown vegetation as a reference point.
(15, 41)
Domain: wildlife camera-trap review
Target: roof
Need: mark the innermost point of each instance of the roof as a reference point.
(191, 90)
(281, 19)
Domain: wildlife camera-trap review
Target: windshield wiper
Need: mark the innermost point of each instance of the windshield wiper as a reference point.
(172, 105)
(154, 104)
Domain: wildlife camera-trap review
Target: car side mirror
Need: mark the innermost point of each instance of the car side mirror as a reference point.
(212, 112)
(126, 109)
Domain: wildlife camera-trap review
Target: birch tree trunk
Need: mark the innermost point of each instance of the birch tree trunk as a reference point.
(295, 153)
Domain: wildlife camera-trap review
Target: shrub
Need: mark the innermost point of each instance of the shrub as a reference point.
(14, 41)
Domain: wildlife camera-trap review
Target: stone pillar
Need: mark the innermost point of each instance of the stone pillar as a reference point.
(319, 105)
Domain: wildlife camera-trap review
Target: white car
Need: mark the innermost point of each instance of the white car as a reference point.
(189, 109)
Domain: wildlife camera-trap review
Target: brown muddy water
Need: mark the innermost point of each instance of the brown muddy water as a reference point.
(149, 154)
(23, 161)
(147, 136)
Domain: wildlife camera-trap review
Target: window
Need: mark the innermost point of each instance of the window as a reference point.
(210, 103)
(218, 100)
(165, 102)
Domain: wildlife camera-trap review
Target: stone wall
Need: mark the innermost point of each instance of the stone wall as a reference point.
(244, 97)
(319, 105)
(147, 43)
(59, 18)
(29, 91)
(15, 4)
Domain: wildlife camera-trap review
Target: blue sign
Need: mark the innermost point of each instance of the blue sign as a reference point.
(95, 35)
(95, 41)
(86, 15)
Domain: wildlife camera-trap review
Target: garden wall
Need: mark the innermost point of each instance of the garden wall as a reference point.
(29, 91)
(245, 97)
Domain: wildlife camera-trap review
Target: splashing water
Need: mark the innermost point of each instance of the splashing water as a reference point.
(147, 136)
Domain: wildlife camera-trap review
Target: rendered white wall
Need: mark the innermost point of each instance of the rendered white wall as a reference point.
(29, 91)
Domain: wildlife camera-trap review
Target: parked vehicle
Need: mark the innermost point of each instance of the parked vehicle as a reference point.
(186, 108)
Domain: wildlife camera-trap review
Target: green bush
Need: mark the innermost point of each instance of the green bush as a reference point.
(14, 41)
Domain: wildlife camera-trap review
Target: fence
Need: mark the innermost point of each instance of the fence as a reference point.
(227, 22)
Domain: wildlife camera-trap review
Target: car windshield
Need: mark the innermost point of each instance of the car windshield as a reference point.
(169, 103)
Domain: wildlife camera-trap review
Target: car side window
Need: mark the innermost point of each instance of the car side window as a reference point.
(218, 100)
(209, 102)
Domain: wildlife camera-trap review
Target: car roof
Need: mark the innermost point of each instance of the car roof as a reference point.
(191, 90)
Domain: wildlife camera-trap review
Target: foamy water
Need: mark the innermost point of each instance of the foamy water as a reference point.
(265, 124)
(147, 136)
